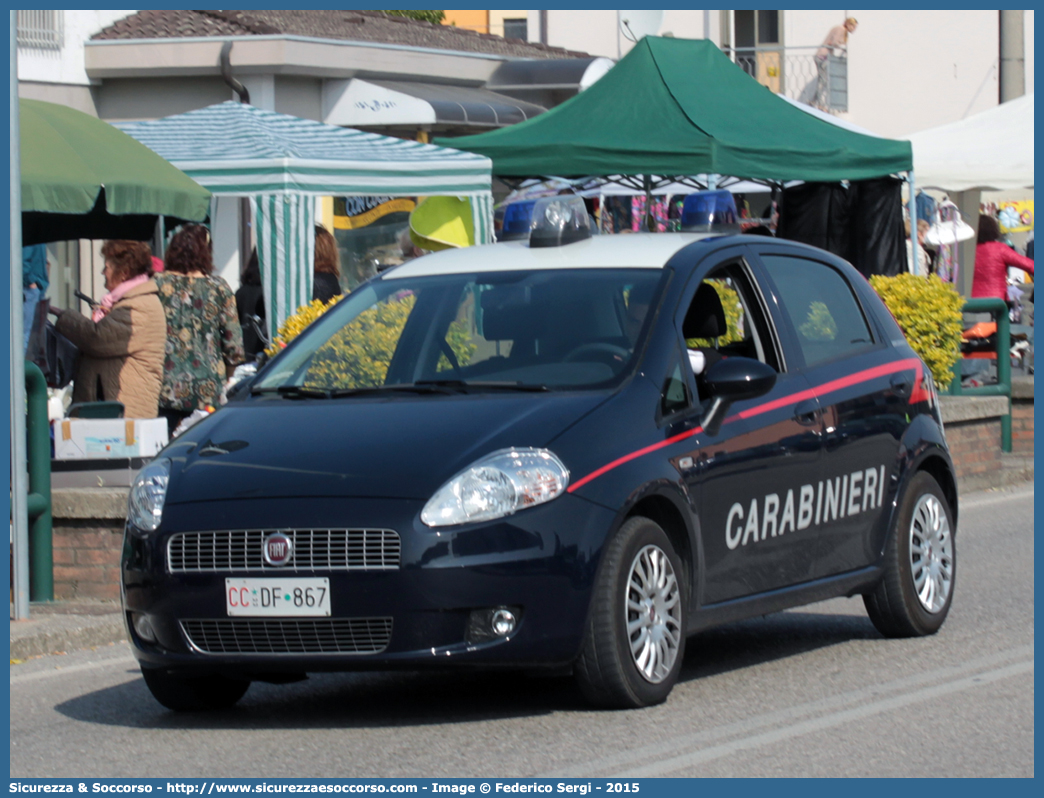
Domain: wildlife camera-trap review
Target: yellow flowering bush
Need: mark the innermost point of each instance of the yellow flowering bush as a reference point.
(295, 324)
(929, 313)
(730, 302)
(461, 337)
(818, 325)
(358, 355)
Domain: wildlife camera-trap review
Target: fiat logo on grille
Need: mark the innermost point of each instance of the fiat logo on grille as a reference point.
(278, 549)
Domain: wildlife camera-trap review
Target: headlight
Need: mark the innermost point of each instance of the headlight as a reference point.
(497, 485)
(147, 494)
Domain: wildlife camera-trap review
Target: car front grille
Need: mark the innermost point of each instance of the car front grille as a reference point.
(313, 550)
(289, 636)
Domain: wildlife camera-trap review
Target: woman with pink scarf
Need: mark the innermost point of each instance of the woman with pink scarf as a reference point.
(121, 345)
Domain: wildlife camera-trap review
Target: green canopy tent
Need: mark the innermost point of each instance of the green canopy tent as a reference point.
(83, 178)
(681, 107)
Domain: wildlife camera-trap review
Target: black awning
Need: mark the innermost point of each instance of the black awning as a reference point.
(464, 105)
(533, 74)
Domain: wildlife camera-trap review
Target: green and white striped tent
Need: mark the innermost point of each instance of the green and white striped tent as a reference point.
(282, 163)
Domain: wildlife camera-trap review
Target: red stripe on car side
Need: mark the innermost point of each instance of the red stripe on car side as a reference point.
(836, 385)
(628, 457)
(916, 395)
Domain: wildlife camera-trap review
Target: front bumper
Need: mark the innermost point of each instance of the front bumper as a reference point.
(540, 562)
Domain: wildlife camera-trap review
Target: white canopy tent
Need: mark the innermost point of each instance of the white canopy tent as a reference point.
(992, 150)
(282, 163)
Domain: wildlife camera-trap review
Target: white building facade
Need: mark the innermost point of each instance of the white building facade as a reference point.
(907, 70)
(51, 63)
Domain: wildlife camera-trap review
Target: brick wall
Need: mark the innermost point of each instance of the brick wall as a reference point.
(87, 540)
(87, 558)
(1022, 427)
(975, 447)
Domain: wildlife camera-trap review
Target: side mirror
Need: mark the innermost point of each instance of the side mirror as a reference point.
(731, 380)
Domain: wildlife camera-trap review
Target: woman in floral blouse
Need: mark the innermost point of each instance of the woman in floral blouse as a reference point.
(204, 339)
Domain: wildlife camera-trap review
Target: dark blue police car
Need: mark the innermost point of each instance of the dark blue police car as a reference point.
(567, 452)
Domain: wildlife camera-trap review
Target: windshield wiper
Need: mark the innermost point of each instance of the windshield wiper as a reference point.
(485, 385)
(440, 387)
(293, 391)
(408, 387)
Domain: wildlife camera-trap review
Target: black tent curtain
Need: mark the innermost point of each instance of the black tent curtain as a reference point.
(862, 223)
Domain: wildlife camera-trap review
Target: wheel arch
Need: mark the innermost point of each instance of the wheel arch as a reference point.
(934, 460)
(942, 472)
(666, 513)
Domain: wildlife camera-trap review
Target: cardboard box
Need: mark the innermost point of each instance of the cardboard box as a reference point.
(104, 438)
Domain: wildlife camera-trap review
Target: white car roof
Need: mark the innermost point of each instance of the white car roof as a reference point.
(635, 251)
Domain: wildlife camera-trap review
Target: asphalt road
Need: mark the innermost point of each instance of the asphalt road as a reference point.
(810, 692)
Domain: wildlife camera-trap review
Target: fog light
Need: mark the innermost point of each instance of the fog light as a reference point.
(491, 624)
(503, 622)
(143, 627)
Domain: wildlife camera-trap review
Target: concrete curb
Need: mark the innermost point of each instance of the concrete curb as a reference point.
(89, 502)
(65, 626)
(972, 408)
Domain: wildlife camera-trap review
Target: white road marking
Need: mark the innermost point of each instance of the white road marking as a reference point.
(827, 721)
(86, 666)
(1004, 496)
(754, 727)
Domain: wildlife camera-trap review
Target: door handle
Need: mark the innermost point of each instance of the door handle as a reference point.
(807, 413)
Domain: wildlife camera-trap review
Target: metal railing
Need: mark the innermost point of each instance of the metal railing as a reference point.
(38, 501)
(41, 30)
(798, 73)
(998, 308)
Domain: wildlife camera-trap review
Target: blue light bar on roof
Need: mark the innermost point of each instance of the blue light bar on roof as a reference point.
(516, 221)
(710, 212)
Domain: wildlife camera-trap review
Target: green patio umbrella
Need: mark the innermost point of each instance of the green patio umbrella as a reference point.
(83, 178)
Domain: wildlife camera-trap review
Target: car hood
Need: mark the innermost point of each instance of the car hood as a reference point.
(402, 447)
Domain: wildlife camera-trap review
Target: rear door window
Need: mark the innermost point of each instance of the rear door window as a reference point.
(823, 311)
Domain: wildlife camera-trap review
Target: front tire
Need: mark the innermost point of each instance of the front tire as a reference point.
(914, 596)
(635, 639)
(193, 693)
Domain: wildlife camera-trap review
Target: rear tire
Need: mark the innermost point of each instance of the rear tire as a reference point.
(635, 638)
(914, 596)
(193, 693)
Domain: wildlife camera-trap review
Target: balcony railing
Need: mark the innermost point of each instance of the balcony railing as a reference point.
(797, 73)
(41, 30)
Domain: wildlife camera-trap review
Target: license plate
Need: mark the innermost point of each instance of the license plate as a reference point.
(278, 597)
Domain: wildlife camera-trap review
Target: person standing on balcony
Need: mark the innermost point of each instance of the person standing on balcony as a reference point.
(836, 40)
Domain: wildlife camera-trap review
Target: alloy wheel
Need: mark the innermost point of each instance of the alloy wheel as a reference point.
(653, 606)
(931, 553)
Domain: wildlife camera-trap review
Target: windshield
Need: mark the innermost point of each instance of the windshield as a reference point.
(543, 329)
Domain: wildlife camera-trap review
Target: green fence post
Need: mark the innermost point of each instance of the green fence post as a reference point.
(38, 451)
(1004, 371)
(997, 308)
